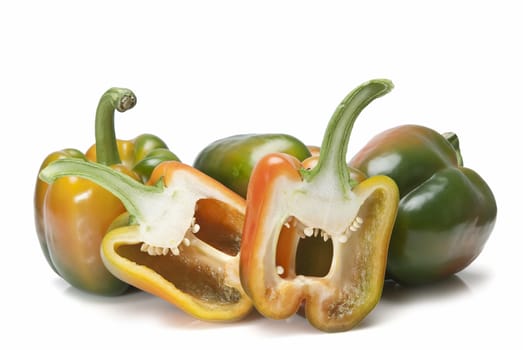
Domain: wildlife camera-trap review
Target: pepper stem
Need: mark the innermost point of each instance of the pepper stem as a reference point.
(332, 163)
(127, 189)
(106, 146)
(453, 139)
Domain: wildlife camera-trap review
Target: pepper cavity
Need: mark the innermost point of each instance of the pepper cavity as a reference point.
(300, 239)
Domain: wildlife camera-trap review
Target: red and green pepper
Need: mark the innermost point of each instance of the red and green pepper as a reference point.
(287, 202)
(446, 212)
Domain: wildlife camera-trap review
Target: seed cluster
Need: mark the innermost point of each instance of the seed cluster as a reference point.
(343, 238)
(156, 250)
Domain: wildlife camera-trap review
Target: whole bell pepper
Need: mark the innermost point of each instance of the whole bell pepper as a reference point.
(287, 202)
(182, 239)
(446, 212)
(231, 160)
(72, 214)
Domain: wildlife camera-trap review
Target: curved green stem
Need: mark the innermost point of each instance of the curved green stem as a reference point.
(332, 161)
(106, 146)
(127, 189)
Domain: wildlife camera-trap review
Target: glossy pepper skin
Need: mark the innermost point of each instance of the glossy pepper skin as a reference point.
(287, 202)
(181, 242)
(231, 160)
(446, 212)
(72, 214)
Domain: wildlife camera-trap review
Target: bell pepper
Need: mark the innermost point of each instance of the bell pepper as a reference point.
(230, 160)
(72, 214)
(182, 240)
(446, 212)
(287, 202)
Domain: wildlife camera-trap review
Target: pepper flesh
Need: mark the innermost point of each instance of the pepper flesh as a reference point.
(182, 241)
(231, 160)
(72, 214)
(446, 212)
(287, 202)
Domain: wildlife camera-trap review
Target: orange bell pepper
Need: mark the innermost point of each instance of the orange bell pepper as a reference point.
(73, 214)
(182, 240)
(287, 202)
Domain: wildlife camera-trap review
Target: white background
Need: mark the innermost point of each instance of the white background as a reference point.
(203, 70)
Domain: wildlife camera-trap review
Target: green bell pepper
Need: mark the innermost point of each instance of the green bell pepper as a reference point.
(446, 212)
(230, 160)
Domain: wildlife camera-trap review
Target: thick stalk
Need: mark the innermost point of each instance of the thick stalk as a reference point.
(106, 146)
(131, 192)
(332, 163)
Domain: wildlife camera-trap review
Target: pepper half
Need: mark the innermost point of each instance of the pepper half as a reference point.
(287, 202)
(73, 214)
(446, 212)
(231, 160)
(183, 238)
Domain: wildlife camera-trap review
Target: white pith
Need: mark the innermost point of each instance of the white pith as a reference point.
(167, 220)
(324, 210)
(313, 209)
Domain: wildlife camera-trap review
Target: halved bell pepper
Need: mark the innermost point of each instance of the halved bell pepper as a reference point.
(287, 202)
(73, 214)
(230, 160)
(182, 240)
(446, 212)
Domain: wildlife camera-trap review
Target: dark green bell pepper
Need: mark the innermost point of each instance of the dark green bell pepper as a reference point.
(230, 160)
(446, 212)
